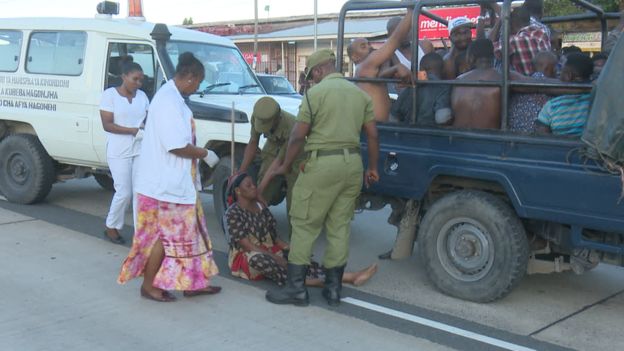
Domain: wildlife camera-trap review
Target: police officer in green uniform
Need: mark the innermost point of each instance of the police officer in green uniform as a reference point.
(269, 119)
(331, 118)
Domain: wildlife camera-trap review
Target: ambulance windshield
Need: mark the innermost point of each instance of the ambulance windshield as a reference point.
(226, 70)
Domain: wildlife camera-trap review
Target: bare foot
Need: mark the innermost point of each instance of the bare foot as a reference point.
(364, 275)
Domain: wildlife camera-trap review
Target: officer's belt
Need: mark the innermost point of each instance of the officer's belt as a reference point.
(319, 153)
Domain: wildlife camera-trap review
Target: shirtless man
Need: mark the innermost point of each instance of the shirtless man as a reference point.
(369, 64)
(460, 33)
(478, 107)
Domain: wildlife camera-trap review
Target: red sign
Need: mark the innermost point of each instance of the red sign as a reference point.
(432, 29)
(249, 56)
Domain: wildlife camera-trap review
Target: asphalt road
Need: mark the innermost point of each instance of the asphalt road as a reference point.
(58, 283)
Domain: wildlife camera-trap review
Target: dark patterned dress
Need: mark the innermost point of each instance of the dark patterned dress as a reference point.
(260, 229)
(525, 108)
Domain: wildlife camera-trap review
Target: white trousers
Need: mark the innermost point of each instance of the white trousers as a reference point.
(122, 170)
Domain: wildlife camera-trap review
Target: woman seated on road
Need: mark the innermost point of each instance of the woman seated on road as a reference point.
(256, 252)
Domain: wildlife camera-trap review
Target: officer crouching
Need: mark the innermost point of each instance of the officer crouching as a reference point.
(275, 124)
(331, 118)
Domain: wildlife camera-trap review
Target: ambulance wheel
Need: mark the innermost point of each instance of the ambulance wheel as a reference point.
(26, 170)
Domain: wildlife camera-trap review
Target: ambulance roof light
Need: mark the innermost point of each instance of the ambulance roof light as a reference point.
(108, 8)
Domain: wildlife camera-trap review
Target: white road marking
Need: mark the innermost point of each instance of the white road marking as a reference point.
(436, 325)
(3, 198)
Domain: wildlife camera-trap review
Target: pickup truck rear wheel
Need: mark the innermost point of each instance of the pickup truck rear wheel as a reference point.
(473, 246)
(26, 170)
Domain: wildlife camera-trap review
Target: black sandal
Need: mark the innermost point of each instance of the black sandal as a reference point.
(165, 296)
(118, 240)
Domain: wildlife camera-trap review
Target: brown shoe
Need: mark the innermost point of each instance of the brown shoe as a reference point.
(211, 290)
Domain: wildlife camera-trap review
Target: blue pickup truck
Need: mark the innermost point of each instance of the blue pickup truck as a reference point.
(488, 206)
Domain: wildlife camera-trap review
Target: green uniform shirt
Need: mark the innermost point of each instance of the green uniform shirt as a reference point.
(339, 110)
(277, 139)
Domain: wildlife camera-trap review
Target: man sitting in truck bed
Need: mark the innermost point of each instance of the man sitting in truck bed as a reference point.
(567, 114)
(478, 107)
(369, 63)
(434, 101)
(460, 33)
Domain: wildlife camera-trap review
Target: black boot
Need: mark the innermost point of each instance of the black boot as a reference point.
(333, 285)
(295, 292)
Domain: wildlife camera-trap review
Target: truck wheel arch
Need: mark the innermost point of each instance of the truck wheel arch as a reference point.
(14, 127)
(472, 179)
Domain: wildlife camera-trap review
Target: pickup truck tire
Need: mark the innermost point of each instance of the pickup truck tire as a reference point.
(105, 181)
(473, 246)
(26, 170)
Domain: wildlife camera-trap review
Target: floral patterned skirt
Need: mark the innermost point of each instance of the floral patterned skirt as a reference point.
(188, 262)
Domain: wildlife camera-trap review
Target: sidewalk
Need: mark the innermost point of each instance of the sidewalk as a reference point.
(59, 293)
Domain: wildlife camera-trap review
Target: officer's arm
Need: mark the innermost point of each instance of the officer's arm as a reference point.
(250, 153)
(295, 143)
(269, 175)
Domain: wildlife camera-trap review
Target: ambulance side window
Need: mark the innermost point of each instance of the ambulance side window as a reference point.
(10, 47)
(60, 53)
(143, 54)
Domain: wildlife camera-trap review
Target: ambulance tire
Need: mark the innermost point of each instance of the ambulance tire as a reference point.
(26, 170)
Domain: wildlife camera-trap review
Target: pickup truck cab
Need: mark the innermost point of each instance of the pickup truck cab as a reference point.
(489, 206)
(54, 70)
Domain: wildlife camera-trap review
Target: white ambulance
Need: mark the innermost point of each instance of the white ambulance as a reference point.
(54, 70)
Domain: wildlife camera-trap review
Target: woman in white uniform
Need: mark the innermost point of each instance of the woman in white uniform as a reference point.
(171, 247)
(123, 110)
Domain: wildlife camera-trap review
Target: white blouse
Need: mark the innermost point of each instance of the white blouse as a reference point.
(161, 174)
(125, 114)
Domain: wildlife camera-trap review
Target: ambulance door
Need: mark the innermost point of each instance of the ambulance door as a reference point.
(52, 93)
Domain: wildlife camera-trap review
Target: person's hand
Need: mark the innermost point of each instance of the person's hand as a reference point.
(135, 131)
(404, 74)
(280, 260)
(370, 176)
(211, 158)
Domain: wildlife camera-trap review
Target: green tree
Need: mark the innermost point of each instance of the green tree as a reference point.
(554, 8)
(185, 22)
(190, 20)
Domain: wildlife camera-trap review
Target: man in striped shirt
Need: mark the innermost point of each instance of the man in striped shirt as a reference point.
(567, 114)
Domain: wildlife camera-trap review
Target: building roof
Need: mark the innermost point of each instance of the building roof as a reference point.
(302, 18)
(327, 30)
(124, 28)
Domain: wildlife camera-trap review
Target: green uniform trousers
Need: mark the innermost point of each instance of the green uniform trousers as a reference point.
(325, 195)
